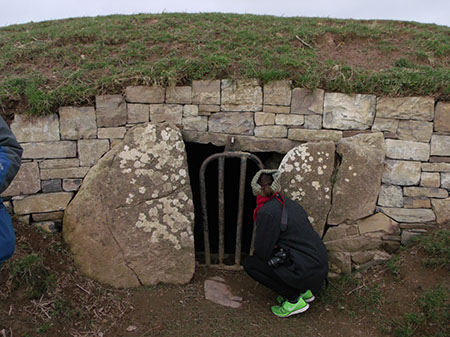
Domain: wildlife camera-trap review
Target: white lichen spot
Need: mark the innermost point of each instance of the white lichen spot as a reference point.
(179, 146)
(311, 158)
(182, 172)
(165, 177)
(350, 168)
(324, 167)
(316, 185)
(133, 181)
(292, 181)
(129, 200)
(138, 164)
(327, 189)
(327, 197)
(142, 189)
(128, 170)
(311, 219)
(346, 180)
(320, 160)
(155, 195)
(327, 154)
(319, 171)
(295, 195)
(296, 164)
(285, 190)
(287, 168)
(299, 178)
(183, 181)
(355, 174)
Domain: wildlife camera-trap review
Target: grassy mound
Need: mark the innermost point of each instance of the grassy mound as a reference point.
(67, 62)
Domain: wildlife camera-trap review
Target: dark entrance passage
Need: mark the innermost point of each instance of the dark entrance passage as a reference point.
(197, 154)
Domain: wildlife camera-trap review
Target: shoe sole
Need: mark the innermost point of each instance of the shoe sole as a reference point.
(299, 311)
(309, 300)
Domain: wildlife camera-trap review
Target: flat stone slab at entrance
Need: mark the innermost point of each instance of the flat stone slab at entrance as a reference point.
(217, 291)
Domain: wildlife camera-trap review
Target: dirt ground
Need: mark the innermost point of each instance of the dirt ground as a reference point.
(72, 305)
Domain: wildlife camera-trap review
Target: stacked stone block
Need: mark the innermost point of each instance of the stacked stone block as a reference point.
(60, 149)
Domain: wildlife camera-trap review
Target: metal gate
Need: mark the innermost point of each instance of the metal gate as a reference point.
(228, 153)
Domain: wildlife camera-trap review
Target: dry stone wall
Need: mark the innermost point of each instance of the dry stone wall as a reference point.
(408, 144)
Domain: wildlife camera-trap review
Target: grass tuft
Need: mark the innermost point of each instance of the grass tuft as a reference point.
(30, 271)
(437, 247)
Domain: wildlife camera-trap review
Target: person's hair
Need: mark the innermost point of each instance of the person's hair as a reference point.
(265, 181)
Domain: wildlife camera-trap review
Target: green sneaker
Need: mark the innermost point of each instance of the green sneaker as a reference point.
(288, 309)
(307, 296)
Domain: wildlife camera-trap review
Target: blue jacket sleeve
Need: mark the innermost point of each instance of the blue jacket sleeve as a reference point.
(10, 156)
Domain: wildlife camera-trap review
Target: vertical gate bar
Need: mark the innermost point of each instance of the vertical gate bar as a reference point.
(205, 214)
(238, 250)
(221, 210)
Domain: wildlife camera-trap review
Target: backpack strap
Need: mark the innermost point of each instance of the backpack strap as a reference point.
(284, 215)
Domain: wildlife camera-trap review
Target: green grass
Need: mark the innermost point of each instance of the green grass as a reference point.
(353, 295)
(67, 62)
(29, 271)
(437, 247)
(432, 311)
(393, 265)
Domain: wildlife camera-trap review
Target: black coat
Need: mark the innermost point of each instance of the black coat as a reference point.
(307, 252)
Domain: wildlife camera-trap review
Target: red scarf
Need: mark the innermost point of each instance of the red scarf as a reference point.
(261, 200)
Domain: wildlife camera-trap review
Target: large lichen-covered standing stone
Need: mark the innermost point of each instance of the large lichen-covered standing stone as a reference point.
(358, 179)
(131, 223)
(306, 173)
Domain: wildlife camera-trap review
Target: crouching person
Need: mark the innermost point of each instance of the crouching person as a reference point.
(10, 158)
(289, 256)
